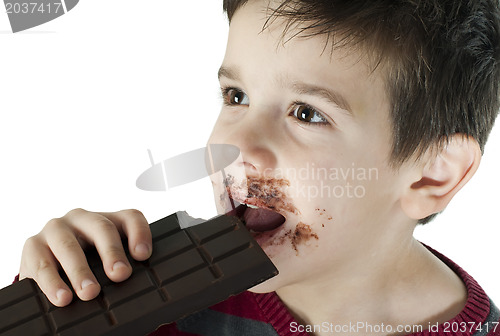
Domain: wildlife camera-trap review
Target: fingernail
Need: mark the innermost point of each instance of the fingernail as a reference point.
(119, 264)
(142, 249)
(86, 283)
(60, 293)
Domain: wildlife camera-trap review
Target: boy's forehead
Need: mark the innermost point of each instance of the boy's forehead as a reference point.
(293, 60)
(253, 23)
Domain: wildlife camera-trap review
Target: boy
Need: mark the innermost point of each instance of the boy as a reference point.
(356, 121)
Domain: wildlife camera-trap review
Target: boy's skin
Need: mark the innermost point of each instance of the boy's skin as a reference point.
(361, 262)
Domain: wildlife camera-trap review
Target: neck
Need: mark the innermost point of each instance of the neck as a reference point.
(398, 284)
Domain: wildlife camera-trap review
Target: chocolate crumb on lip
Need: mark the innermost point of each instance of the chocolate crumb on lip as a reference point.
(262, 192)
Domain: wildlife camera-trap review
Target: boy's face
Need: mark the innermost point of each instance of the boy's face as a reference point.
(314, 132)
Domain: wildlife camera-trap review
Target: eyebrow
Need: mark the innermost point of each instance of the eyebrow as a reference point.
(228, 73)
(300, 88)
(317, 91)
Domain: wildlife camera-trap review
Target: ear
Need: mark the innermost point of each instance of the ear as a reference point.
(437, 180)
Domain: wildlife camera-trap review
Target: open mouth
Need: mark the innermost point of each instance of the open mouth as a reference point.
(255, 218)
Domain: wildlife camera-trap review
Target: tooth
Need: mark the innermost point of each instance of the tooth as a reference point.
(252, 206)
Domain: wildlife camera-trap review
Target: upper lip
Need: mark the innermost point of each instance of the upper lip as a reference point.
(249, 201)
(249, 193)
(237, 196)
(255, 202)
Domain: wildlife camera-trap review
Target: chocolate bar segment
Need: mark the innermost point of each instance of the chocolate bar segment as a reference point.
(189, 270)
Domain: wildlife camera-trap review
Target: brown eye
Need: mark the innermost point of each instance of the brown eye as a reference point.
(308, 114)
(304, 113)
(237, 97)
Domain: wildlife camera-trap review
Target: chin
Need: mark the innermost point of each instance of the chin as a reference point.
(267, 286)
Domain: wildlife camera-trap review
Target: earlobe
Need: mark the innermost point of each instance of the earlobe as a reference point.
(439, 178)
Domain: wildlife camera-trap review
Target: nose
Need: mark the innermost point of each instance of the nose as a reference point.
(258, 161)
(256, 138)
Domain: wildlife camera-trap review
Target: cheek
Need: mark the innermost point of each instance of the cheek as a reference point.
(320, 188)
(334, 196)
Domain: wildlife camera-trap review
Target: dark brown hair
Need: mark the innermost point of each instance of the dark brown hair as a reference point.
(442, 58)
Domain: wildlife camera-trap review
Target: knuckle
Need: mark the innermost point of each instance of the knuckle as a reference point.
(54, 224)
(32, 247)
(69, 244)
(75, 211)
(105, 225)
(31, 243)
(42, 265)
(133, 213)
(31, 250)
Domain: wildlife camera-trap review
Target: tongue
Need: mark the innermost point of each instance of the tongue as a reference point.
(262, 219)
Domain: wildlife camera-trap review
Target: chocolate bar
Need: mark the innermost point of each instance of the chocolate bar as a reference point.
(190, 269)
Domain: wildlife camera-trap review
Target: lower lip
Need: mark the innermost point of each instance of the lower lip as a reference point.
(274, 237)
(265, 239)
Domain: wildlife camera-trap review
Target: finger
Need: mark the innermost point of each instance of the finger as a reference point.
(135, 226)
(103, 233)
(67, 250)
(39, 264)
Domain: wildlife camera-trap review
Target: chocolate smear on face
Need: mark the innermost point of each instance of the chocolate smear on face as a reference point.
(323, 212)
(270, 193)
(302, 234)
(228, 181)
(263, 192)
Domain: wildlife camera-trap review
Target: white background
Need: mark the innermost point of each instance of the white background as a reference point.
(83, 97)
